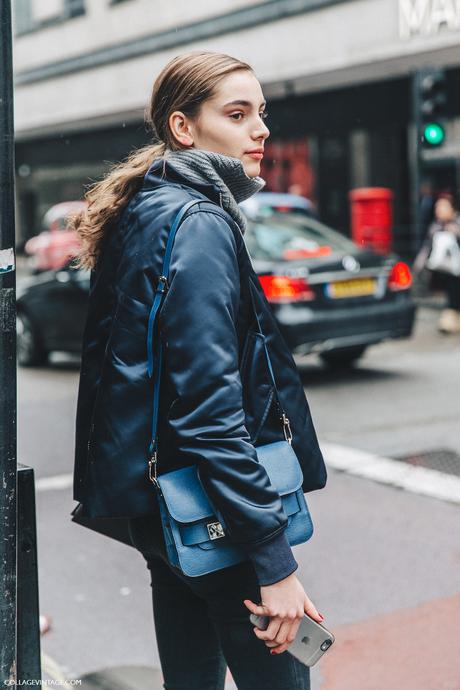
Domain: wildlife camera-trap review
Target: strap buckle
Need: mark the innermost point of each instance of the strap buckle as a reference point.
(153, 469)
(286, 428)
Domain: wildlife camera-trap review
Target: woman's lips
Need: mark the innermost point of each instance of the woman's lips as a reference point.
(256, 156)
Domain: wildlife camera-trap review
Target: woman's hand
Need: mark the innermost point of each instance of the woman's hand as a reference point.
(285, 603)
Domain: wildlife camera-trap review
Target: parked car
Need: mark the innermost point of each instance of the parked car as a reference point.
(51, 312)
(329, 296)
(52, 248)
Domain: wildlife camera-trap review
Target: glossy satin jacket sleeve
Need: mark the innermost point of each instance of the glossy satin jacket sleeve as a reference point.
(198, 326)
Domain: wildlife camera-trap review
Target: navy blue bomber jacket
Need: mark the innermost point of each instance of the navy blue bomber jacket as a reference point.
(216, 403)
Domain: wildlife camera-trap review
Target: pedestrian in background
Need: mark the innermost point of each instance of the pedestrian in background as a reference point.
(440, 254)
(208, 113)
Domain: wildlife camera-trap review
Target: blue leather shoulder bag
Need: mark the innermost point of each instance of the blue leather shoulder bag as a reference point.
(195, 532)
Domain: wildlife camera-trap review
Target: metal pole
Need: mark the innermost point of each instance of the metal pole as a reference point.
(8, 445)
(416, 162)
(28, 629)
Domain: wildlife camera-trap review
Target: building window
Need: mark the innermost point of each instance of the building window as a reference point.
(47, 12)
(74, 8)
(33, 15)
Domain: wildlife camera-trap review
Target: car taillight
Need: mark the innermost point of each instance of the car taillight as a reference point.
(285, 289)
(400, 277)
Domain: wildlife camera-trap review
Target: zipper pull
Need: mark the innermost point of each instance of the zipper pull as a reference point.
(90, 435)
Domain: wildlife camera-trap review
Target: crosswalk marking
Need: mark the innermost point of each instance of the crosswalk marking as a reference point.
(419, 480)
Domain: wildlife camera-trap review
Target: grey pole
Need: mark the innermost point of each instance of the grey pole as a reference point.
(8, 446)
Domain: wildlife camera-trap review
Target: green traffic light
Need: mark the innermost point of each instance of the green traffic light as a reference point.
(434, 133)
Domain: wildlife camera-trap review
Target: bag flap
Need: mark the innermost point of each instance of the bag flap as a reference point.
(185, 497)
(282, 466)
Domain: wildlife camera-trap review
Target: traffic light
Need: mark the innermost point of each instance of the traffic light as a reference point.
(432, 104)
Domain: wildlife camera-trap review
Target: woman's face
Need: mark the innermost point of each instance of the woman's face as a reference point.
(231, 122)
(443, 210)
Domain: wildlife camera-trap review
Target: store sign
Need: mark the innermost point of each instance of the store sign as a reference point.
(427, 17)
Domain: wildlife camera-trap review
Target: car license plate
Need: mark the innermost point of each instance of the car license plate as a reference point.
(355, 287)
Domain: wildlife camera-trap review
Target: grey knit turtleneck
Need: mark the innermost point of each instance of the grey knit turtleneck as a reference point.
(225, 172)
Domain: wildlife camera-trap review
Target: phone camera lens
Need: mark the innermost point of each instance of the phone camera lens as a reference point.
(326, 644)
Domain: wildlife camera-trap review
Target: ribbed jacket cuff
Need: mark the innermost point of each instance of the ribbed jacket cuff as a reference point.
(273, 560)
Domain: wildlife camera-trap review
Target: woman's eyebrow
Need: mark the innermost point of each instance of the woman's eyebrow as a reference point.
(242, 102)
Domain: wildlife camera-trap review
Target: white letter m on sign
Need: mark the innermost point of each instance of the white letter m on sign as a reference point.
(413, 17)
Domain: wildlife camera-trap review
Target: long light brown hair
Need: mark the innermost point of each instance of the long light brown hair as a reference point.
(184, 84)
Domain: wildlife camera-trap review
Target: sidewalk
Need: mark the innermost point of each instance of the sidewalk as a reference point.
(121, 678)
(431, 301)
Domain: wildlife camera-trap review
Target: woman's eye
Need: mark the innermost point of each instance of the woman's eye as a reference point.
(263, 115)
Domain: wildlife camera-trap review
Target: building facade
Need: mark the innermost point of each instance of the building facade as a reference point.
(336, 75)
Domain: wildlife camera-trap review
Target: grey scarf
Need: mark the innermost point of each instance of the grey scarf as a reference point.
(225, 172)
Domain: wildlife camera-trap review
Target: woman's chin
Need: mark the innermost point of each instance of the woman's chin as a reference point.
(252, 169)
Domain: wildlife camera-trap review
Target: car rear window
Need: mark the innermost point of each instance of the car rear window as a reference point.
(291, 236)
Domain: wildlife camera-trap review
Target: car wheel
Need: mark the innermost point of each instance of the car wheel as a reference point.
(29, 350)
(343, 357)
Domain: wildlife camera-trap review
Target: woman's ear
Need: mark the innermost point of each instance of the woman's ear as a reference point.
(180, 128)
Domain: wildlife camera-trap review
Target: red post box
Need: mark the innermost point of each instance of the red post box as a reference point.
(372, 217)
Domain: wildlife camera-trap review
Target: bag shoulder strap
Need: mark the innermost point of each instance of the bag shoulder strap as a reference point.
(283, 417)
(154, 363)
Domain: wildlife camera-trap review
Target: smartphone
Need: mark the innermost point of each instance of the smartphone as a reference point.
(310, 643)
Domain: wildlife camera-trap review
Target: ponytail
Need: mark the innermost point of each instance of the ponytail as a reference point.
(106, 201)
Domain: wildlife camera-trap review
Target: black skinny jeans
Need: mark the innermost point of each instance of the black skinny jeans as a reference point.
(450, 284)
(202, 624)
(453, 292)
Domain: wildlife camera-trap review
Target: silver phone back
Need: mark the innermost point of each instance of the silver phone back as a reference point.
(310, 643)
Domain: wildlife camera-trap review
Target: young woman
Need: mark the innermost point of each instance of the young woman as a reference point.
(208, 113)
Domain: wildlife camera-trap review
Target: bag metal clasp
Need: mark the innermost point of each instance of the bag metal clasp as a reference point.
(215, 530)
(153, 469)
(286, 428)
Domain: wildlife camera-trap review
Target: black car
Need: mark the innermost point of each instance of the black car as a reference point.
(330, 296)
(51, 312)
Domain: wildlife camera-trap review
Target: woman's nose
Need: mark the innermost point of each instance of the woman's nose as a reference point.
(262, 132)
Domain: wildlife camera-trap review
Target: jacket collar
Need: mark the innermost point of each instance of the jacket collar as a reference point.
(221, 178)
(161, 172)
